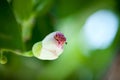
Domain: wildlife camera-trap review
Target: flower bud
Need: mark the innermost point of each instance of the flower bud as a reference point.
(51, 47)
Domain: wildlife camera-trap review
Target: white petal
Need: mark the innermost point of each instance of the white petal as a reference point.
(49, 38)
(48, 54)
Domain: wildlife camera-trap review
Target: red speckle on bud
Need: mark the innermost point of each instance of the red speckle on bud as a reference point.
(60, 38)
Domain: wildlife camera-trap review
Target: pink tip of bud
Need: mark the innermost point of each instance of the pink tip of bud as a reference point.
(60, 38)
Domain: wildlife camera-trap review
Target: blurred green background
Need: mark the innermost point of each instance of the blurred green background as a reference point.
(92, 29)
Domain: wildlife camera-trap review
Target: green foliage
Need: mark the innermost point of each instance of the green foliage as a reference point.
(24, 11)
(10, 30)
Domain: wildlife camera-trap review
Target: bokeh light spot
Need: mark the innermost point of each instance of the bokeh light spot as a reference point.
(100, 29)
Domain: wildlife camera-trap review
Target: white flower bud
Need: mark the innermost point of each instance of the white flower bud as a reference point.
(51, 47)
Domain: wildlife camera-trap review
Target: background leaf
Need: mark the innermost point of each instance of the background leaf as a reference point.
(26, 11)
(10, 31)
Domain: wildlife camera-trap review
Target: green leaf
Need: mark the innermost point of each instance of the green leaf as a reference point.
(23, 9)
(10, 31)
(42, 6)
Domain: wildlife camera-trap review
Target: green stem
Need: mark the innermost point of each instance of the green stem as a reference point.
(26, 54)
